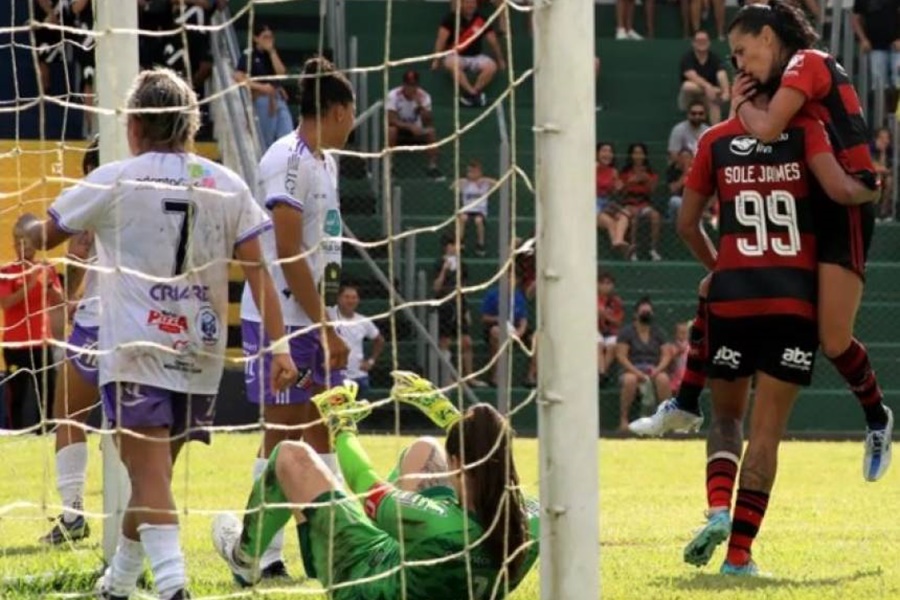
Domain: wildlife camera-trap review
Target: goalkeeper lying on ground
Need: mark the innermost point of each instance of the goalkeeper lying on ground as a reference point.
(437, 505)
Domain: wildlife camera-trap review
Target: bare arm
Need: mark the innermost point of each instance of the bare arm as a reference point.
(695, 78)
(288, 226)
(377, 349)
(665, 358)
(265, 296)
(78, 251)
(394, 121)
(255, 86)
(837, 184)
(46, 234)
(427, 117)
(691, 231)
(622, 357)
(440, 43)
(722, 78)
(277, 65)
(768, 124)
(860, 30)
(494, 43)
(438, 283)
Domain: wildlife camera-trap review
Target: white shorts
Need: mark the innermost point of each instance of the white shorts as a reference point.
(473, 64)
(609, 340)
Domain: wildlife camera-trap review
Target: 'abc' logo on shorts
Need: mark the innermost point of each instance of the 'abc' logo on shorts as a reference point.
(726, 357)
(795, 358)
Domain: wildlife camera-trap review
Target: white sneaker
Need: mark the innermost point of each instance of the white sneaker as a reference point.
(634, 35)
(226, 534)
(621, 34)
(877, 458)
(655, 256)
(668, 417)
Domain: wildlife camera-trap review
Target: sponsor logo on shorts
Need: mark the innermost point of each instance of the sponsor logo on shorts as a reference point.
(167, 322)
(162, 292)
(305, 380)
(726, 357)
(796, 358)
(208, 326)
(87, 360)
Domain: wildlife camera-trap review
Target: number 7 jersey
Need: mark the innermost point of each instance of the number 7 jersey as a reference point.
(767, 246)
(165, 227)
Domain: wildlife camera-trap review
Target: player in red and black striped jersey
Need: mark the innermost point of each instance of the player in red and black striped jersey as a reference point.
(761, 306)
(772, 45)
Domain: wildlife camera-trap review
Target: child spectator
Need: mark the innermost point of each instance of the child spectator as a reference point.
(882, 153)
(638, 183)
(610, 214)
(473, 191)
(610, 313)
(410, 120)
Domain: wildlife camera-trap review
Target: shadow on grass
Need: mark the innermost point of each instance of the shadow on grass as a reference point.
(714, 581)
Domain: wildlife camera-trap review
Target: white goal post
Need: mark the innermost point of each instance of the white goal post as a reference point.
(568, 408)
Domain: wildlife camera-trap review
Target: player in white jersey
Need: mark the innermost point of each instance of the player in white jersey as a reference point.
(166, 223)
(76, 391)
(298, 182)
(473, 192)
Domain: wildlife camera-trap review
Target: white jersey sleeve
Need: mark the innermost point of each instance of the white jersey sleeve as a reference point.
(85, 206)
(292, 175)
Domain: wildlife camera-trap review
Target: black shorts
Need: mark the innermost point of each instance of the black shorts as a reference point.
(406, 138)
(783, 347)
(844, 234)
(49, 45)
(86, 64)
(447, 321)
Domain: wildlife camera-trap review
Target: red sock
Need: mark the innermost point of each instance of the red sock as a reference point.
(694, 379)
(721, 471)
(854, 366)
(749, 511)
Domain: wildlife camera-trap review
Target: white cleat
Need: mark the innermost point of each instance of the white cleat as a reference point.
(877, 458)
(668, 417)
(226, 534)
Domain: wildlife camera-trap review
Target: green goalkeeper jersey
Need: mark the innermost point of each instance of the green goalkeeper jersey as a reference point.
(407, 528)
(433, 525)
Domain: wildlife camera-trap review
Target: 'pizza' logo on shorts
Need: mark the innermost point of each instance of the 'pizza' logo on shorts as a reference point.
(795, 358)
(726, 357)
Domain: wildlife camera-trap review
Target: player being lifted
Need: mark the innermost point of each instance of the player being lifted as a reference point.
(761, 306)
(771, 44)
(76, 389)
(166, 223)
(450, 502)
(298, 182)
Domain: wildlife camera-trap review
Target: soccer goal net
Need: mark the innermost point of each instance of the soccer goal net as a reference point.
(440, 240)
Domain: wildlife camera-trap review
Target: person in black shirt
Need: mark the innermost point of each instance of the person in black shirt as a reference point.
(703, 78)
(258, 67)
(875, 23)
(466, 51)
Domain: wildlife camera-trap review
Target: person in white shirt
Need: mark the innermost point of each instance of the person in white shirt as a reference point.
(166, 223)
(410, 120)
(354, 329)
(298, 186)
(473, 191)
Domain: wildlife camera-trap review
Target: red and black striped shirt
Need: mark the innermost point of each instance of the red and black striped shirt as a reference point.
(831, 98)
(767, 246)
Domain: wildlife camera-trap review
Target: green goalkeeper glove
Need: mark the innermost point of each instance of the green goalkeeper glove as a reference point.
(413, 389)
(340, 409)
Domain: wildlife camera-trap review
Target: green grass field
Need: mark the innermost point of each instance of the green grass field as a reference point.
(828, 534)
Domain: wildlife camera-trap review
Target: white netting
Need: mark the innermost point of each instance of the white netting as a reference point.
(391, 249)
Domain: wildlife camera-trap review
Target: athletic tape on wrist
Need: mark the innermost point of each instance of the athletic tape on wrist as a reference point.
(281, 346)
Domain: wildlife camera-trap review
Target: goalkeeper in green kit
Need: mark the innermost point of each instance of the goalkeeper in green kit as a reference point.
(449, 523)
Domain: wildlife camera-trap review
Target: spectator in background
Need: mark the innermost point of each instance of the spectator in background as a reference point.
(684, 135)
(675, 178)
(473, 197)
(610, 214)
(638, 183)
(644, 356)
(410, 120)
(194, 13)
(610, 314)
(678, 350)
(625, 19)
(354, 329)
(258, 68)
(452, 323)
(703, 78)
(48, 42)
(882, 156)
(699, 10)
(83, 52)
(153, 16)
(518, 320)
(876, 23)
(34, 311)
(466, 53)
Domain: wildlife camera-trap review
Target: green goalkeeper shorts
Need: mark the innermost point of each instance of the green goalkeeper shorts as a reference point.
(341, 546)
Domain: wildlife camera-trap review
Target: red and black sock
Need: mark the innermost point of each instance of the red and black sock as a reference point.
(855, 368)
(721, 472)
(749, 511)
(694, 379)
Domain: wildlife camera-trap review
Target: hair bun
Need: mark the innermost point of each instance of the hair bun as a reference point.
(316, 66)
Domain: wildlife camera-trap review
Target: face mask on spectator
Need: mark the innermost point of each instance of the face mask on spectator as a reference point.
(645, 317)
